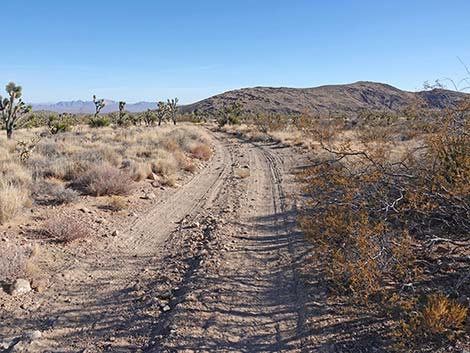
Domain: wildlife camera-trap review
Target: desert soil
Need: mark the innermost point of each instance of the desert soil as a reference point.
(215, 265)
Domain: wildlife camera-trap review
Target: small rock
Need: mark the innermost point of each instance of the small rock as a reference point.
(165, 295)
(166, 308)
(149, 196)
(39, 285)
(115, 233)
(153, 176)
(5, 344)
(20, 286)
(33, 335)
(191, 297)
(85, 210)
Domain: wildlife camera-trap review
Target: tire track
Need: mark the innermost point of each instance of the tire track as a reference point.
(249, 302)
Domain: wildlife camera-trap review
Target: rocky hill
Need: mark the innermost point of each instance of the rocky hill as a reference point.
(342, 99)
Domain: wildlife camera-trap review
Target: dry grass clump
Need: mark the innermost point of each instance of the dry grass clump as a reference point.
(168, 181)
(117, 203)
(104, 180)
(165, 164)
(242, 173)
(190, 167)
(12, 200)
(201, 151)
(15, 173)
(442, 314)
(65, 229)
(13, 261)
(138, 170)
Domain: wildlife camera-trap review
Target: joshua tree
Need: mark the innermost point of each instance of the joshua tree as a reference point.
(171, 104)
(161, 111)
(14, 114)
(99, 104)
(122, 113)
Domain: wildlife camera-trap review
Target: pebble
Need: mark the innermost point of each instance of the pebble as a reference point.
(33, 335)
(20, 286)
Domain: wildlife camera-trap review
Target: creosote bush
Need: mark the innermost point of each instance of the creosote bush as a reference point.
(99, 121)
(375, 218)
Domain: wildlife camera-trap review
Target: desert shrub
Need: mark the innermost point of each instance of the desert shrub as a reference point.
(15, 173)
(442, 314)
(168, 180)
(99, 121)
(266, 122)
(374, 218)
(201, 151)
(230, 114)
(190, 167)
(117, 203)
(65, 229)
(184, 138)
(13, 261)
(73, 169)
(105, 180)
(108, 154)
(59, 123)
(139, 170)
(48, 192)
(165, 163)
(12, 200)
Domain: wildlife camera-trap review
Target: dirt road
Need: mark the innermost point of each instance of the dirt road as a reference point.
(210, 267)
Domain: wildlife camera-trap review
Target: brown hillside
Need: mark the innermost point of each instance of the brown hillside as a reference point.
(339, 99)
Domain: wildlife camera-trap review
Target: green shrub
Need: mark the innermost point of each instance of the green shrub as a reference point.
(99, 122)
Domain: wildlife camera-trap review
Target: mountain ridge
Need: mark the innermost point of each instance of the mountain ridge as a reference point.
(326, 99)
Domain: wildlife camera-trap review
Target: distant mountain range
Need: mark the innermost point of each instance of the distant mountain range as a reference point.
(336, 99)
(88, 107)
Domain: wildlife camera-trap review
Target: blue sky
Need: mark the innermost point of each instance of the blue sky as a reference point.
(149, 50)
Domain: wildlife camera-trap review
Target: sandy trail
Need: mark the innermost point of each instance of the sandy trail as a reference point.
(243, 295)
(249, 301)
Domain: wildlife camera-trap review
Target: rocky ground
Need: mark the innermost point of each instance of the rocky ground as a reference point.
(215, 265)
(218, 249)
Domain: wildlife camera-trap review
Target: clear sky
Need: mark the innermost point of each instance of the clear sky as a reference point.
(148, 50)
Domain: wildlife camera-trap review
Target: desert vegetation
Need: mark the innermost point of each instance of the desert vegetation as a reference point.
(384, 196)
(387, 210)
(59, 161)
